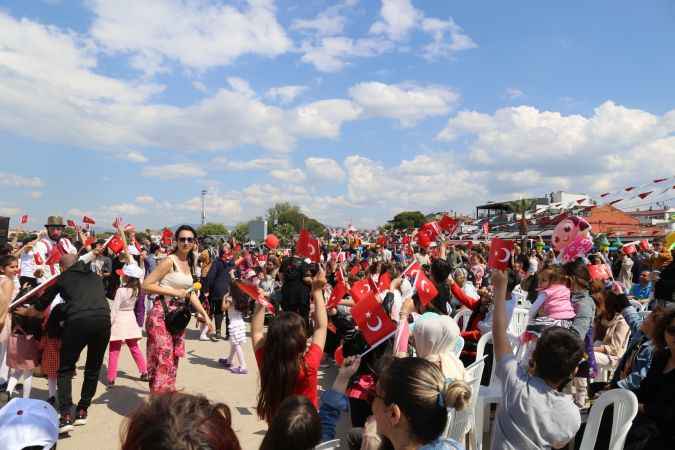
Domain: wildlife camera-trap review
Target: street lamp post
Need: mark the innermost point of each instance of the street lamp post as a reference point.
(203, 206)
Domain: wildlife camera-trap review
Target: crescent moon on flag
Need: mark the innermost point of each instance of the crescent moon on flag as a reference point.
(377, 325)
(311, 250)
(423, 285)
(365, 289)
(507, 255)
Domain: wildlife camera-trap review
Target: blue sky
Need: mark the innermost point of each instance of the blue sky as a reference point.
(354, 110)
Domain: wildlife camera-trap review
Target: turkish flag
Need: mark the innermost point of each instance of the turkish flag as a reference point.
(116, 244)
(411, 270)
(308, 247)
(361, 290)
(432, 229)
(71, 223)
(423, 239)
(426, 290)
(355, 270)
(339, 276)
(339, 356)
(89, 220)
(486, 228)
(372, 320)
(406, 240)
(644, 245)
(448, 224)
(384, 282)
(252, 291)
(339, 292)
(500, 254)
(24, 219)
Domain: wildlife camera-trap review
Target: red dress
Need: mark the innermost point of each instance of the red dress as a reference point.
(307, 381)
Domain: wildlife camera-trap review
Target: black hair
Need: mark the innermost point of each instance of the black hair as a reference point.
(191, 254)
(296, 426)
(7, 259)
(557, 353)
(440, 269)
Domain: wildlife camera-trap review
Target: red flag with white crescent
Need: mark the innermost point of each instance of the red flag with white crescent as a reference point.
(361, 290)
(89, 220)
(373, 321)
(500, 254)
(252, 291)
(426, 290)
(384, 282)
(448, 224)
(24, 219)
(339, 292)
(411, 270)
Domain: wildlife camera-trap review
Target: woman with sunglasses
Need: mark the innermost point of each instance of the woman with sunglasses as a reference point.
(653, 425)
(170, 282)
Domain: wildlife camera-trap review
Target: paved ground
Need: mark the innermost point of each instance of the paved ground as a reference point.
(199, 373)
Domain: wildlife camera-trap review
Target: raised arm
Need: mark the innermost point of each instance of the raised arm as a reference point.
(320, 313)
(500, 340)
(459, 294)
(258, 327)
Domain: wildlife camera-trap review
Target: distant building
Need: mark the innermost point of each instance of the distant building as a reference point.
(612, 221)
(662, 218)
(552, 202)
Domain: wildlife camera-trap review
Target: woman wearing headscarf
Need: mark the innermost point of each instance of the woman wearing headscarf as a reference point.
(436, 338)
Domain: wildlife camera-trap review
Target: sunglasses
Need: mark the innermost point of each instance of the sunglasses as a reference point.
(188, 240)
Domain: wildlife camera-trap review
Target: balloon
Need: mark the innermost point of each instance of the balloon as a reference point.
(271, 241)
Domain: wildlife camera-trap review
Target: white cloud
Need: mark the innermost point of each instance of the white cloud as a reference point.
(174, 171)
(326, 23)
(198, 34)
(448, 38)
(285, 94)
(201, 87)
(241, 86)
(399, 17)
(132, 156)
(124, 209)
(330, 54)
(513, 93)
(288, 175)
(47, 76)
(324, 168)
(252, 164)
(145, 199)
(14, 180)
(408, 103)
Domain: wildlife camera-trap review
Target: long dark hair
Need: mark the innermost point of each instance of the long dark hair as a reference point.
(296, 426)
(285, 345)
(667, 316)
(177, 420)
(134, 284)
(191, 254)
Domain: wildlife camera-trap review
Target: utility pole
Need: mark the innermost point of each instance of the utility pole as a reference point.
(203, 206)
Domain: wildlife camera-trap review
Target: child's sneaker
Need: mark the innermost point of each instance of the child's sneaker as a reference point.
(239, 371)
(66, 423)
(80, 417)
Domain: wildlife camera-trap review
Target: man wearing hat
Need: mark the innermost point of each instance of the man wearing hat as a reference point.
(50, 248)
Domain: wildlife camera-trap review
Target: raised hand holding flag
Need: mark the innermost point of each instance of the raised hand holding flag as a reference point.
(88, 220)
(373, 321)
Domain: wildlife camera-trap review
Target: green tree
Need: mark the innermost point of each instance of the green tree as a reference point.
(520, 208)
(408, 219)
(212, 229)
(240, 232)
(288, 214)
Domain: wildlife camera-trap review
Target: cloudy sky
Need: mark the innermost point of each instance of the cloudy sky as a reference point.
(353, 109)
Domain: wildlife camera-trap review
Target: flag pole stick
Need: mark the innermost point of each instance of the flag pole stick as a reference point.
(377, 344)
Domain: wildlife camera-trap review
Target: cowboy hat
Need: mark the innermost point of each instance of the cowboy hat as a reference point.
(55, 221)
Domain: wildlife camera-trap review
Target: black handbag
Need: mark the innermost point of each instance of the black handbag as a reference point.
(176, 321)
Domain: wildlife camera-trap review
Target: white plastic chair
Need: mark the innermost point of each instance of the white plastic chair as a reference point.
(625, 408)
(459, 346)
(487, 395)
(462, 317)
(518, 322)
(462, 422)
(328, 445)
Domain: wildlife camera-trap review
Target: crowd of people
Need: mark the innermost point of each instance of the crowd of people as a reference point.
(597, 322)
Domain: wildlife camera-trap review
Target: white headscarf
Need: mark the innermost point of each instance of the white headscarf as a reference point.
(435, 339)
